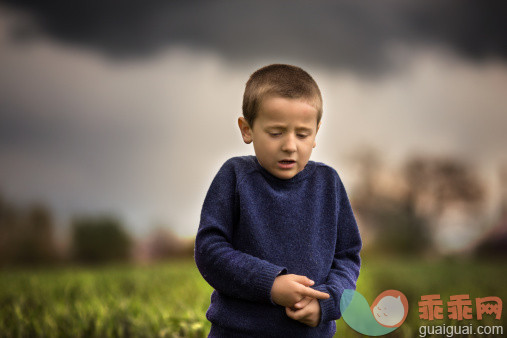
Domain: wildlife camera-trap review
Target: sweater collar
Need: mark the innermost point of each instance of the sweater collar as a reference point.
(300, 176)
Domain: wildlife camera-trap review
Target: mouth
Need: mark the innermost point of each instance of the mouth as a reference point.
(286, 164)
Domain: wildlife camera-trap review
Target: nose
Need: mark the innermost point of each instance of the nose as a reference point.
(289, 144)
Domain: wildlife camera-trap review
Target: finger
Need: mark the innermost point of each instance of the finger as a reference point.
(304, 316)
(296, 315)
(309, 292)
(301, 315)
(290, 313)
(304, 302)
(311, 323)
(303, 280)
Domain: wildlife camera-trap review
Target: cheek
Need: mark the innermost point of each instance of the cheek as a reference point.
(266, 146)
(307, 147)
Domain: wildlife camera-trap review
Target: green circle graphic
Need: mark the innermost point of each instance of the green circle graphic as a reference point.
(357, 314)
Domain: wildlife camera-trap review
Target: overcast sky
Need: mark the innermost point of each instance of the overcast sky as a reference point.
(132, 110)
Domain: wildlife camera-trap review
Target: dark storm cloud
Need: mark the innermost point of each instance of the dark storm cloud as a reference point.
(347, 33)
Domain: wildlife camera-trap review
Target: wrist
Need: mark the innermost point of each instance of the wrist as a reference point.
(326, 306)
(274, 287)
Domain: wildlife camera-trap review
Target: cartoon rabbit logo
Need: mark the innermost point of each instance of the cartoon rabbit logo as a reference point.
(389, 308)
(387, 313)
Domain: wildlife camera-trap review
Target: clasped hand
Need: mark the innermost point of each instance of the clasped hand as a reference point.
(300, 301)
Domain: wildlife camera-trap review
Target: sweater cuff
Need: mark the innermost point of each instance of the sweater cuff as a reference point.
(265, 280)
(328, 307)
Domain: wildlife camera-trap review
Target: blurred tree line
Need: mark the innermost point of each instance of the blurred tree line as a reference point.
(400, 213)
(99, 239)
(27, 237)
(26, 234)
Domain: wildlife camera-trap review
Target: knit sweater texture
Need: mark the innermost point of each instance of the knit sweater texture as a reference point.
(255, 226)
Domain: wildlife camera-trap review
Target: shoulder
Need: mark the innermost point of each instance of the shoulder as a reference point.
(230, 174)
(330, 177)
(238, 166)
(326, 172)
(240, 163)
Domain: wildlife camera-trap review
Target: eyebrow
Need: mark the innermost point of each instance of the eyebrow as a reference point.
(309, 130)
(298, 129)
(280, 126)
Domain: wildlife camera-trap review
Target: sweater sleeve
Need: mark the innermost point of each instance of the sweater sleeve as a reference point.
(346, 263)
(226, 269)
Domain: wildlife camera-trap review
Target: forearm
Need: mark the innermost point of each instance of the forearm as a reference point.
(344, 270)
(233, 272)
(226, 269)
(343, 275)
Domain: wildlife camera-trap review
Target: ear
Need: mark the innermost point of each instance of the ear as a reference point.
(315, 142)
(246, 131)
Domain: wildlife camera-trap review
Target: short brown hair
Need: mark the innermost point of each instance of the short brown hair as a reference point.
(283, 81)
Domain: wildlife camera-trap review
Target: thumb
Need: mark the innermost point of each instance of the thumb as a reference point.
(303, 280)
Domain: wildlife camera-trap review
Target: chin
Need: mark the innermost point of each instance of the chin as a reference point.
(286, 175)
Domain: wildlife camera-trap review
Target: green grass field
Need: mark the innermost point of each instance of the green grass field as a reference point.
(170, 299)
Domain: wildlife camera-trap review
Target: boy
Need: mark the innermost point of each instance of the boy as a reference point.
(277, 238)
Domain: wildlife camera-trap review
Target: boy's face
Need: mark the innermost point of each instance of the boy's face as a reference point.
(283, 135)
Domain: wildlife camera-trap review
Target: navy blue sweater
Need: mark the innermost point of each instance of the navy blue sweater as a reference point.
(255, 226)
